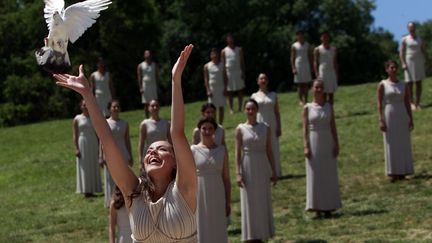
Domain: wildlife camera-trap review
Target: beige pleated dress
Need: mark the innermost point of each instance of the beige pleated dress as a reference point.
(148, 80)
(216, 83)
(255, 196)
(302, 63)
(327, 71)
(123, 226)
(414, 59)
(87, 166)
(322, 181)
(397, 138)
(266, 114)
(168, 220)
(102, 91)
(211, 219)
(156, 131)
(233, 68)
(118, 129)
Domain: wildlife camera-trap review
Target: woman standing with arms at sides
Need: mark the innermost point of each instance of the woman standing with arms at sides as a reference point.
(412, 56)
(321, 148)
(162, 201)
(86, 152)
(214, 186)
(255, 169)
(326, 66)
(395, 121)
(215, 82)
(103, 88)
(209, 110)
(148, 79)
(120, 131)
(301, 63)
(152, 129)
(268, 113)
(119, 219)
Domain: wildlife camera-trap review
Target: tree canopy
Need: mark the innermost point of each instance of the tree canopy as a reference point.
(265, 29)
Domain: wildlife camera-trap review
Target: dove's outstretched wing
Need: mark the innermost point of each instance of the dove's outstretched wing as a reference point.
(52, 6)
(80, 16)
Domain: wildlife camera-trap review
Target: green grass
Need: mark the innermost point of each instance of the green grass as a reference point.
(39, 204)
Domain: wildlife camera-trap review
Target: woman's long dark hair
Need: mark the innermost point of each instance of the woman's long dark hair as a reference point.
(118, 199)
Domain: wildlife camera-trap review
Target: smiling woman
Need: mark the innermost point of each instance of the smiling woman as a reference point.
(165, 210)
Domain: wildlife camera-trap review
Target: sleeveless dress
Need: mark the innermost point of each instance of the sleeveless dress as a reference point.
(302, 63)
(156, 131)
(233, 68)
(414, 59)
(322, 182)
(266, 115)
(211, 220)
(255, 196)
(118, 129)
(123, 226)
(327, 70)
(148, 82)
(216, 83)
(167, 220)
(102, 91)
(87, 167)
(397, 139)
(218, 135)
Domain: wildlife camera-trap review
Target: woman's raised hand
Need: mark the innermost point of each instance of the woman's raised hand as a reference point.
(181, 63)
(78, 83)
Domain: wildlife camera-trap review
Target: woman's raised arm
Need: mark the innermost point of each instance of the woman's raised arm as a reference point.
(122, 175)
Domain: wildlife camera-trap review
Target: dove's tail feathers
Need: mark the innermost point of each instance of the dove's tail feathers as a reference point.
(67, 60)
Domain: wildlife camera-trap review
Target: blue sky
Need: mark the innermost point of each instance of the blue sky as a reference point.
(393, 15)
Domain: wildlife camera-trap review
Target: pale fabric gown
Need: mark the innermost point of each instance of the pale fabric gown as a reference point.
(102, 91)
(414, 59)
(255, 196)
(327, 71)
(211, 220)
(148, 80)
(156, 131)
(302, 63)
(217, 137)
(216, 83)
(233, 68)
(266, 114)
(123, 226)
(322, 181)
(168, 220)
(118, 129)
(87, 167)
(397, 138)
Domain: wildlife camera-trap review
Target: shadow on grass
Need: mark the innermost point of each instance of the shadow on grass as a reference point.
(310, 241)
(426, 106)
(355, 113)
(422, 176)
(235, 231)
(367, 212)
(286, 177)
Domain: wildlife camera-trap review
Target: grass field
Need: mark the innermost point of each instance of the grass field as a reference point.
(39, 204)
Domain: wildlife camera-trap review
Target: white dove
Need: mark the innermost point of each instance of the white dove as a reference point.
(66, 25)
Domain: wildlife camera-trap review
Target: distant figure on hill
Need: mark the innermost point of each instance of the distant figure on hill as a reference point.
(396, 122)
(413, 56)
(119, 219)
(120, 131)
(148, 80)
(152, 129)
(88, 179)
(102, 84)
(255, 171)
(301, 64)
(326, 66)
(233, 59)
(268, 113)
(215, 83)
(209, 110)
(321, 148)
(162, 202)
